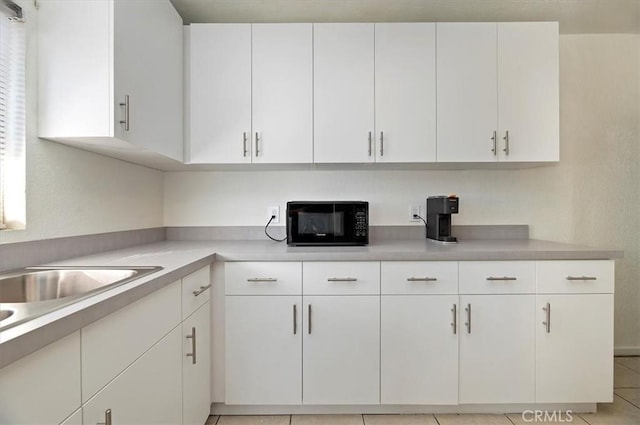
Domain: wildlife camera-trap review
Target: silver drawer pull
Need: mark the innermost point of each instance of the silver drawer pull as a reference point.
(582, 278)
(421, 279)
(107, 418)
(503, 278)
(342, 279)
(454, 324)
(201, 290)
(547, 318)
(262, 279)
(468, 322)
(192, 337)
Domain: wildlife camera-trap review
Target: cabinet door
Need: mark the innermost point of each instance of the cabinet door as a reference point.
(220, 79)
(263, 350)
(341, 350)
(528, 91)
(148, 392)
(405, 92)
(574, 354)
(497, 349)
(196, 368)
(282, 99)
(343, 92)
(43, 387)
(412, 371)
(148, 55)
(467, 92)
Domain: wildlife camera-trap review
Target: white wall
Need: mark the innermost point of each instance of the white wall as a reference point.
(72, 192)
(591, 197)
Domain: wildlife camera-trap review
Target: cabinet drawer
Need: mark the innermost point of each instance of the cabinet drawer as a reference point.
(263, 278)
(497, 277)
(419, 277)
(587, 277)
(341, 278)
(195, 290)
(114, 342)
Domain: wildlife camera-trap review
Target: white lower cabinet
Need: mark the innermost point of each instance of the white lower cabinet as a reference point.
(419, 349)
(574, 348)
(196, 366)
(497, 349)
(147, 392)
(341, 349)
(43, 387)
(263, 349)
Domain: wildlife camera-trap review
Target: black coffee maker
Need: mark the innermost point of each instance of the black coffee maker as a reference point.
(439, 210)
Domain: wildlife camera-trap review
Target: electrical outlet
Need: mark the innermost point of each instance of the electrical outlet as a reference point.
(274, 211)
(413, 211)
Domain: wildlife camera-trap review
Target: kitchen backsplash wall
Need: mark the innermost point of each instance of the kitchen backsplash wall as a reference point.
(591, 197)
(72, 192)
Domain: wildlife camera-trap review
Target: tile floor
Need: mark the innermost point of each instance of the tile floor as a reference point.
(625, 410)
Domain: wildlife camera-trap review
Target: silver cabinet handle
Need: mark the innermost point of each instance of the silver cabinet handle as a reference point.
(494, 139)
(506, 143)
(382, 143)
(421, 279)
(503, 278)
(126, 113)
(262, 279)
(309, 320)
(257, 145)
(582, 278)
(107, 418)
(193, 345)
(454, 324)
(342, 279)
(244, 144)
(295, 319)
(201, 290)
(468, 322)
(369, 143)
(547, 322)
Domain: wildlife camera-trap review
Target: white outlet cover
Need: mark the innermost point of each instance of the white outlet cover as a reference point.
(271, 211)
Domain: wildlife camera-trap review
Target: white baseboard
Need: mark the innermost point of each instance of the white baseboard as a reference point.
(223, 409)
(626, 351)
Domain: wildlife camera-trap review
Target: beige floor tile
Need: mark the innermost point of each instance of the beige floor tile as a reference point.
(253, 420)
(400, 420)
(473, 420)
(212, 420)
(632, 395)
(620, 412)
(326, 420)
(623, 377)
(630, 362)
(560, 418)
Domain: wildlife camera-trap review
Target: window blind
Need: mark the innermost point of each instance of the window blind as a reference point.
(12, 116)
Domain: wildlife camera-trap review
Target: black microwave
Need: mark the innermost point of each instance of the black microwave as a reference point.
(327, 223)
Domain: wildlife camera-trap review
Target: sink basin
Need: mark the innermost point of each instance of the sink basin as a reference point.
(5, 314)
(42, 285)
(33, 291)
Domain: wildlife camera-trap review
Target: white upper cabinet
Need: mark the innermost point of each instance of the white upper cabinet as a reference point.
(405, 92)
(251, 93)
(528, 87)
(220, 81)
(343, 92)
(110, 78)
(497, 92)
(282, 84)
(467, 92)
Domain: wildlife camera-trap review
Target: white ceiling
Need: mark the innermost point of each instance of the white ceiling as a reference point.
(575, 16)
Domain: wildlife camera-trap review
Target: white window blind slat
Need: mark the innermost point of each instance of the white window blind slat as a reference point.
(12, 120)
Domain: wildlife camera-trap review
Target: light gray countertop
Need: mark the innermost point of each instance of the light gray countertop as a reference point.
(179, 258)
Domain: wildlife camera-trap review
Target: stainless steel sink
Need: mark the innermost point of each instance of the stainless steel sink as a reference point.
(33, 291)
(5, 314)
